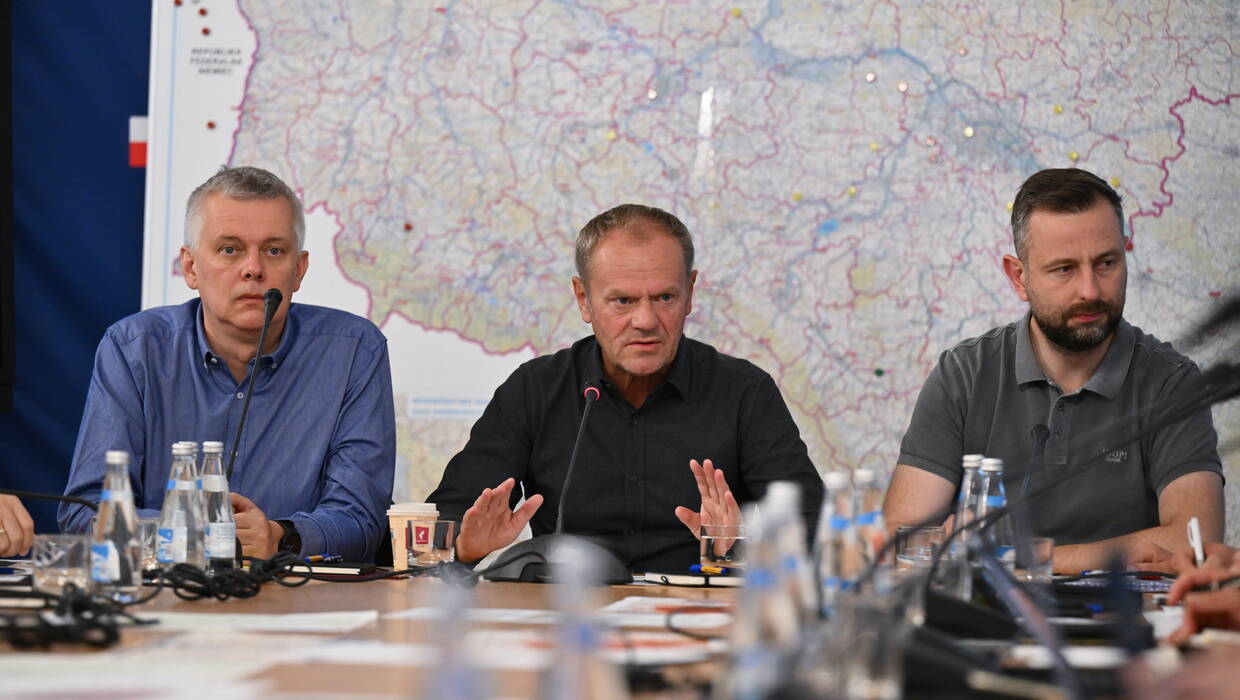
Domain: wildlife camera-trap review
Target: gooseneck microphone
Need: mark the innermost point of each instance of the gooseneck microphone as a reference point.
(271, 302)
(591, 394)
(534, 559)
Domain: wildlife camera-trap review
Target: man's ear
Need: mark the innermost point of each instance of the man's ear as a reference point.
(583, 301)
(1015, 271)
(187, 268)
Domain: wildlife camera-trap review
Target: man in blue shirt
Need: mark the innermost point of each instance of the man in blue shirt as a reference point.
(315, 462)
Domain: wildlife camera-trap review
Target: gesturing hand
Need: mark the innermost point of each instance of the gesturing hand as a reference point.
(719, 506)
(489, 525)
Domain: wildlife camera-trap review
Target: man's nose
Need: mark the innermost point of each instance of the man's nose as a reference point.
(1087, 285)
(643, 317)
(252, 268)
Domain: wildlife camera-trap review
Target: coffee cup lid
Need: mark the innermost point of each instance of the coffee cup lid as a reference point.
(413, 509)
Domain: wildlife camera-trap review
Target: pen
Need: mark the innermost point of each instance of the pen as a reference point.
(313, 558)
(710, 570)
(1194, 541)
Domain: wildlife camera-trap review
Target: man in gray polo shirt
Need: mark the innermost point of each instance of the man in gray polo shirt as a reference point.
(1072, 364)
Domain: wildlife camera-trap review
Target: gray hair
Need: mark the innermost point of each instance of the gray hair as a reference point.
(1063, 191)
(242, 182)
(624, 217)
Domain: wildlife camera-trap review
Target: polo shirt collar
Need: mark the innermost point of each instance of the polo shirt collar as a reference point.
(1106, 380)
(679, 378)
(275, 358)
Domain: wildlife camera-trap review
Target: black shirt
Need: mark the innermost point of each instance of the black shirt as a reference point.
(633, 467)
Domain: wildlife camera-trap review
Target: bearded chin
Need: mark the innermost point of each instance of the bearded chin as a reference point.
(1079, 339)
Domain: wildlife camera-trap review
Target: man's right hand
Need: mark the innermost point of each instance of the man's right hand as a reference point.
(489, 525)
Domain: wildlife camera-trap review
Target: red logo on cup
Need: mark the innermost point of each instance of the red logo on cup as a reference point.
(421, 534)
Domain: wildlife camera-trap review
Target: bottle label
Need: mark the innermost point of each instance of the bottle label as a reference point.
(214, 483)
(995, 501)
(839, 522)
(183, 485)
(116, 496)
(1007, 555)
(172, 545)
(221, 540)
(105, 563)
(870, 518)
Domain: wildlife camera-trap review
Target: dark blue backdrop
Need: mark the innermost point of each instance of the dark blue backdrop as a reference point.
(79, 71)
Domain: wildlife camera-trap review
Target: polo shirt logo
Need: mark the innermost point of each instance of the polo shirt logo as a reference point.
(1117, 456)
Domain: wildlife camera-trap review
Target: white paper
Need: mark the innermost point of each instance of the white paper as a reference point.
(1036, 656)
(633, 611)
(326, 622)
(1165, 621)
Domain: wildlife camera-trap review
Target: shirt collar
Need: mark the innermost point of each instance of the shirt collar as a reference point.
(275, 358)
(1107, 378)
(680, 377)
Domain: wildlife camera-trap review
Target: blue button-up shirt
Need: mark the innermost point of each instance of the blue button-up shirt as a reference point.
(319, 444)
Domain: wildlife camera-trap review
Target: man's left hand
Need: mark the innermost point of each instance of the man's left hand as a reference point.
(259, 536)
(719, 506)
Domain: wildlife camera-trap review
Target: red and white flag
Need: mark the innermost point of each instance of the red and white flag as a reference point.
(137, 142)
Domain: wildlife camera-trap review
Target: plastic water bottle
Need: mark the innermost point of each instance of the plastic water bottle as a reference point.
(181, 531)
(578, 670)
(783, 500)
(116, 551)
(840, 561)
(957, 576)
(1001, 532)
(221, 528)
(870, 529)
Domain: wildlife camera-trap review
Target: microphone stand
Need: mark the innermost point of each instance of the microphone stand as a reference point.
(271, 302)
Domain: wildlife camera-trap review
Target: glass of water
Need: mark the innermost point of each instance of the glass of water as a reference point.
(60, 560)
(915, 546)
(722, 545)
(1035, 559)
(148, 535)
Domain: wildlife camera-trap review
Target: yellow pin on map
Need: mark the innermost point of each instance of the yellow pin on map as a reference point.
(1074, 156)
(873, 145)
(1008, 206)
(1057, 109)
(736, 12)
(796, 196)
(611, 135)
(1115, 182)
(852, 190)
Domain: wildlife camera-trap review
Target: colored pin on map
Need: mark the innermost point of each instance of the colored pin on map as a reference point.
(873, 145)
(611, 135)
(736, 12)
(931, 141)
(879, 371)
(1115, 182)
(796, 196)
(1074, 156)
(870, 77)
(651, 94)
(968, 132)
(962, 51)
(210, 125)
(852, 190)
(206, 31)
(902, 86)
(202, 12)
(1057, 109)
(1008, 206)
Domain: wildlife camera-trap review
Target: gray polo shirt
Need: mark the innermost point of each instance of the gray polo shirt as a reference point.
(986, 394)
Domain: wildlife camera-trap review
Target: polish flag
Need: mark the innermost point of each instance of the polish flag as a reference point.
(137, 142)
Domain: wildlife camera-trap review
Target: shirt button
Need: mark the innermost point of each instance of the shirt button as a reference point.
(215, 360)
(632, 478)
(240, 394)
(633, 422)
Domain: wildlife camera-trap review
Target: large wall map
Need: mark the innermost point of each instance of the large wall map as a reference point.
(846, 169)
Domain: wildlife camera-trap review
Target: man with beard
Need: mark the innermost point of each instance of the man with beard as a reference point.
(1071, 364)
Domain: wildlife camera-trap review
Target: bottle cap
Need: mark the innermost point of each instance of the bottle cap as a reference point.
(972, 461)
(181, 449)
(836, 480)
(116, 457)
(992, 464)
(213, 447)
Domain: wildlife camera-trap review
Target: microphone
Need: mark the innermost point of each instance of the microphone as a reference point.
(50, 497)
(271, 302)
(532, 559)
(591, 394)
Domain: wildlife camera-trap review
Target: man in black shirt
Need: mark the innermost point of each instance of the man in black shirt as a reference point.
(666, 401)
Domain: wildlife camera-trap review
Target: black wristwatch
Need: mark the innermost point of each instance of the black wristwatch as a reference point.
(291, 540)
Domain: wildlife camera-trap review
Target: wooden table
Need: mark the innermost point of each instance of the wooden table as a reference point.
(385, 596)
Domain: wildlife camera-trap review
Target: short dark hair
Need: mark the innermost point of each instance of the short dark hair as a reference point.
(1063, 191)
(242, 182)
(622, 217)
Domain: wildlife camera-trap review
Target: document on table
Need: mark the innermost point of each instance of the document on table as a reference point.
(633, 611)
(324, 622)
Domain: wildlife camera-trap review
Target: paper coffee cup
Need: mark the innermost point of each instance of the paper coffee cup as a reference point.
(412, 525)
